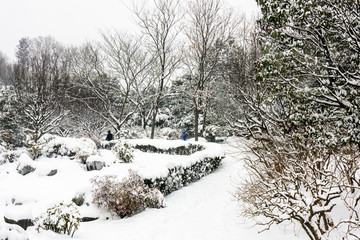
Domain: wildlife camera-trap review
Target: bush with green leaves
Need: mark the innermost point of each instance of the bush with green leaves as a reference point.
(62, 218)
(127, 197)
(123, 151)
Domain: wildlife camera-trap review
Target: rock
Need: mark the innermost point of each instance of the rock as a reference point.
(94, 165)
(25, 170)
(19, 215)
(52, 172)
(24, 223)
(79, 199)
(89, 219)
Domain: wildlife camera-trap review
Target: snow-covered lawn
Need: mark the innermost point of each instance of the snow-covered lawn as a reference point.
(203, 210)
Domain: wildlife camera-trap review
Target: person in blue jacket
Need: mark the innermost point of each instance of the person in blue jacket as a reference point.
(184, 135)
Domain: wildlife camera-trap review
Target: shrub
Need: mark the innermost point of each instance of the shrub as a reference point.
(69, 146)
(9, 156)
(82, 156)
(170, 134)
(180, 150)
(127, 197)
(123, 151)
(34, 149)
(60, 218)
(180, 176)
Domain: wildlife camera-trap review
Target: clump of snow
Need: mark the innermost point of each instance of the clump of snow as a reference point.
(12, 232)
(25, 160)
(69, 146)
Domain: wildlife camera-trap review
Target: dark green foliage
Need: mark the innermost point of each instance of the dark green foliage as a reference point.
(312, 63)
(181, 150)
(11, 132)
(179, 177)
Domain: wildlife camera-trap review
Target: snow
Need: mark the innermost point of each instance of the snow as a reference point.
(17, 213)
(203, 210)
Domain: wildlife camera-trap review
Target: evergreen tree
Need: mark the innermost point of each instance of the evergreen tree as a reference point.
(312, 61)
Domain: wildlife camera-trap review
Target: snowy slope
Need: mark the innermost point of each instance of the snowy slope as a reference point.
(202, 210)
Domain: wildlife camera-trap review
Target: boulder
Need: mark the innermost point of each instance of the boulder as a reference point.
(89, 219)
(19, 215)
(52, 172)
(94, 165)
(79, 199)
(26, 169)
(24, 223)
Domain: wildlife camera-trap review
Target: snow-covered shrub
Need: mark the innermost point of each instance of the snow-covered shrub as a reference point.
(180, 150)
(62, 218)
(169, 133)
(34, 149)
(9, 156)
(69, 146)
(182, 176)
(123, 151)
(93, 137)
(108, 144)
(12, 232)
(82, 156)
(132, 133)
(127, 197)
(218, 131)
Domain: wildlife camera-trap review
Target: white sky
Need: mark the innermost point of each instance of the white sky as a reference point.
(72, 21)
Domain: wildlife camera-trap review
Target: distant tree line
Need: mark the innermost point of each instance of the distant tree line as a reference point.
(180, 72)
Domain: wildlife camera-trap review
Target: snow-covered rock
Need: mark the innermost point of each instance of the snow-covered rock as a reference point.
(78, 199)
(94, 163)
(26, 165)
(19, 215)
(12, 232)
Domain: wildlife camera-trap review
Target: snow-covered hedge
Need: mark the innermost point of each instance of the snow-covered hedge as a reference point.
(69, 147)
(181, 176)
(169, 173)
(186, 149)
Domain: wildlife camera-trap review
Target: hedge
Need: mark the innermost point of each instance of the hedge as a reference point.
(180, 176)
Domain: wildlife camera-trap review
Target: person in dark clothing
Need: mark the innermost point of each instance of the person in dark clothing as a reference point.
(109, 136)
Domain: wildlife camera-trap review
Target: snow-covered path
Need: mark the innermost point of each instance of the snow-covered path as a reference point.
(203, 210)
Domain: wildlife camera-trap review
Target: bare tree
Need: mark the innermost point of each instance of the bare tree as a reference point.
(112, 73)
(208, 27)
(40, 74)
(159, 25)
(5, 70)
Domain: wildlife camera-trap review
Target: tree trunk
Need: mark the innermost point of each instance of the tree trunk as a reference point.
(152, 135)
(204, 122)
(196, 127)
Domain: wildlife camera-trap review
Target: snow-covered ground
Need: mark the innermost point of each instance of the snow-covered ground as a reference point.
(203, 210)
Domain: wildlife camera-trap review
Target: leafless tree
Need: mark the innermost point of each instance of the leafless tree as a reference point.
(5, 70)
(112, 73)
(160, 27)
(209, 25)
(40, 75)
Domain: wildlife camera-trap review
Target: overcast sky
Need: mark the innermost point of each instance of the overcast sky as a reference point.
(72, 21)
